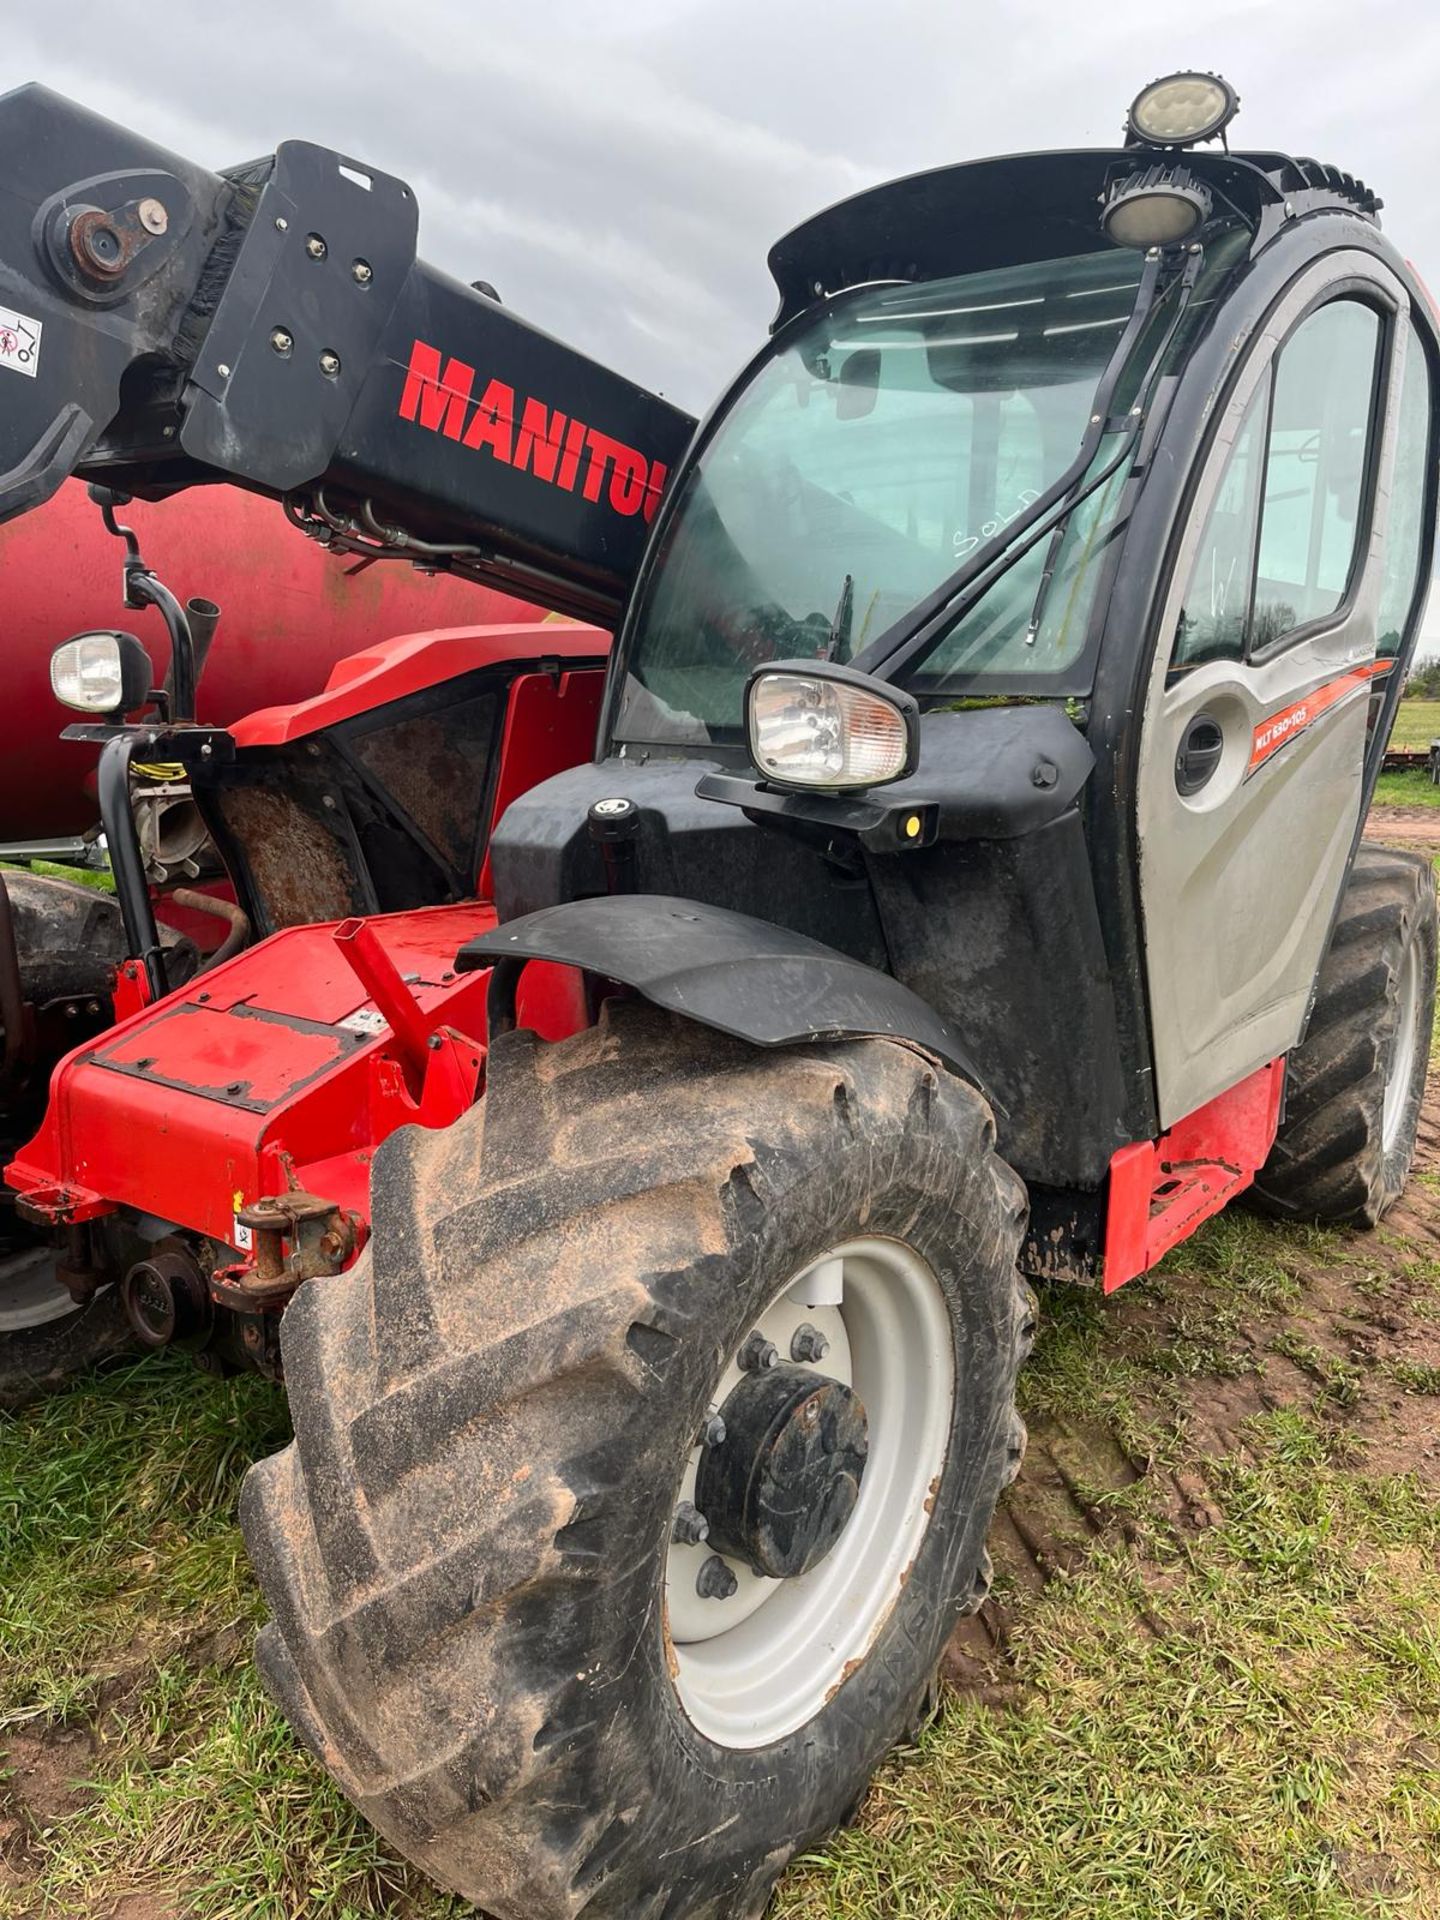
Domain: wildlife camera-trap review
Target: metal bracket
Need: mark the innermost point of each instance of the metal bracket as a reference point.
(299, 324)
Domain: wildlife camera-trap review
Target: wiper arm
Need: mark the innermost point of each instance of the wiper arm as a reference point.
(916, 633)
(844, 619)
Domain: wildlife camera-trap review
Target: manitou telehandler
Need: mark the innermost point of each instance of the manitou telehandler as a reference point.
(966, 885)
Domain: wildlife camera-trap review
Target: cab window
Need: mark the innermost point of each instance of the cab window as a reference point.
(1282, 536)
(1315, 463)
(1409, 496)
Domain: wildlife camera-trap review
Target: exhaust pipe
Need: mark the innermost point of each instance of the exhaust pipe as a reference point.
(204, 617)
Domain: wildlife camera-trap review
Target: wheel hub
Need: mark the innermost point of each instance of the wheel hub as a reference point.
(780, 1488)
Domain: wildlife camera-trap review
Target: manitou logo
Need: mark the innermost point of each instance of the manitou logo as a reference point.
(528, 435)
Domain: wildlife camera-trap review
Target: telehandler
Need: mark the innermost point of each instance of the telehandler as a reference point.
(635, 1166)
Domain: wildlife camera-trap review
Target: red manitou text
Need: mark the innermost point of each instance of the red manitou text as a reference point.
(528, 435)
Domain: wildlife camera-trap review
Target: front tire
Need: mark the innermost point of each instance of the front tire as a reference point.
(467, 1548)
(1355, 1084)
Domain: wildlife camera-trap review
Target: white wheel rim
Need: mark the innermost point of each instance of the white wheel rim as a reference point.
(752, 1668)
(1402, 1056)
(30, 1295)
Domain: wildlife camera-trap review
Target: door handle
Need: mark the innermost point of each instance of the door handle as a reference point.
(1202, 746)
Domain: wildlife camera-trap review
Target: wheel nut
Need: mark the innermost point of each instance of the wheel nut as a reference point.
(809, 1344)
(362, 273)
(715, 1581)
(691, 1528)
(712, 1431)
(315, 246)
(282, 341)
(330, 362)
(757, 1354)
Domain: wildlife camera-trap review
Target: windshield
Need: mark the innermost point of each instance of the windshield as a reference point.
(859, 468)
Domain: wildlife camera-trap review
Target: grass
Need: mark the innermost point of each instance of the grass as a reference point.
(126, 1605)
(1238, 1721)
(1262, 1754)
(203, 1774)
(1411, 787)
(1417, 723)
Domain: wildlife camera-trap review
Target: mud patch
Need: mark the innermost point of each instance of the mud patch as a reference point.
(1405, 827)
(43, 1773)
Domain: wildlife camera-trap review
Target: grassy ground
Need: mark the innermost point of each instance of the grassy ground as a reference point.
(1411, 787)
(1230, 1704)
(1208, 1683)
(1417, 723)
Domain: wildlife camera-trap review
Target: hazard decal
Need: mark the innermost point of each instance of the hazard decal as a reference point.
(1276, 729)
(19, 342)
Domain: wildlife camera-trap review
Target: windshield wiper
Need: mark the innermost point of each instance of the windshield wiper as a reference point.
(844, 619)
(917, 633)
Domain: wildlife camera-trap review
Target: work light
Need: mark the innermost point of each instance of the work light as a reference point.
(1181, 109)
(102, 672)
(816, 724)
(1160, 207)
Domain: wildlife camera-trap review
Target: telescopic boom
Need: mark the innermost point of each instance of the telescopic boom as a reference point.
(161, 325)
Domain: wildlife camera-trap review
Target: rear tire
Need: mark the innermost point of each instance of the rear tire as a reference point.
(1355, 1084)
(466, 1548)
(45, 1339)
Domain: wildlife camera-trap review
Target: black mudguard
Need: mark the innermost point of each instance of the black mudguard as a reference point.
(743, 976)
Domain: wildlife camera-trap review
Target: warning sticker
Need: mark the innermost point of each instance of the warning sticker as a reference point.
(19, 342)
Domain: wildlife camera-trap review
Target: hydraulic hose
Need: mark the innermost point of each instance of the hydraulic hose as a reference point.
(238, 919)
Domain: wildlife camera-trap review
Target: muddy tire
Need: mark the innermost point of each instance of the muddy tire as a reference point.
(469, 1549)
(1355, 1083)
(45, 1341)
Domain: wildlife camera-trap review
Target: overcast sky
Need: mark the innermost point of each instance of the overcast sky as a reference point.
(618, 168)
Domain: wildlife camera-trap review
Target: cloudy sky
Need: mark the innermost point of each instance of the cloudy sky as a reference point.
(619, 170)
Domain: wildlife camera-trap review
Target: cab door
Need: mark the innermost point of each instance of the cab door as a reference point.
(1252, 768)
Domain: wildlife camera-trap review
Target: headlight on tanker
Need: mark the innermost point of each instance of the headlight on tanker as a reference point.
(819, 725)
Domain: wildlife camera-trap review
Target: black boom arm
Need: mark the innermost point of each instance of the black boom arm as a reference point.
(161, 325)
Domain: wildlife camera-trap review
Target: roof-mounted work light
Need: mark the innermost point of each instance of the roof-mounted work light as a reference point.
(1161, 207)
(1182, 109)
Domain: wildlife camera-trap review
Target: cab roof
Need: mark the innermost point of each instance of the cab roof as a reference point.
(985, 214)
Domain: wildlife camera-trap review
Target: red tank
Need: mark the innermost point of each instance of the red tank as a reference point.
(289, 610)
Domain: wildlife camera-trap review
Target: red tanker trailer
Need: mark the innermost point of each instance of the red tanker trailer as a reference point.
(289, 612)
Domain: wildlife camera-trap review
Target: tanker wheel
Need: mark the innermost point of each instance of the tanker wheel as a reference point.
(1355, 1084)
(495, 1620)
(45, 1339)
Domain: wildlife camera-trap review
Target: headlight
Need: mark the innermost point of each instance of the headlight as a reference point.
(101, 673)
(817, 725)
(1158, 208)
(1182, 109)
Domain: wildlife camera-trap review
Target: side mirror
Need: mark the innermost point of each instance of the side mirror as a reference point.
(103, 672)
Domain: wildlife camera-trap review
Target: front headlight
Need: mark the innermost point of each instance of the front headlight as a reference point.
(817, 725)
(101, 673)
